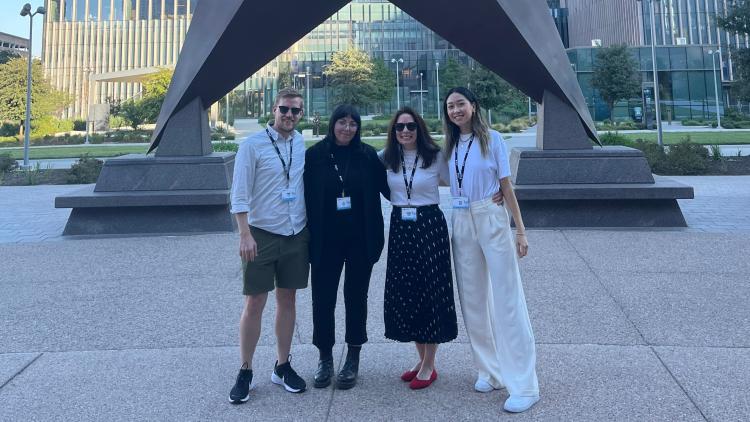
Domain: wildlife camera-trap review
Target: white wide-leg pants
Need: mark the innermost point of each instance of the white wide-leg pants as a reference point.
(492, 299)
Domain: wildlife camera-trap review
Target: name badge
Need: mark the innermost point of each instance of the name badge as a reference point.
(409, 214)
(460, 202)
(344, 203)
(288, 195)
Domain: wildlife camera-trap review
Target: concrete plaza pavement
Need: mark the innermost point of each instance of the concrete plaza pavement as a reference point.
(629, 324)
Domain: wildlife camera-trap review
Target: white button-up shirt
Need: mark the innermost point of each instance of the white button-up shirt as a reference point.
(259, 179)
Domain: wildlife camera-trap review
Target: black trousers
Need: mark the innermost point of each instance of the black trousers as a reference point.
(337, 254)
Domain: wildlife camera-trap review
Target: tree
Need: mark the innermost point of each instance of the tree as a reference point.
(133, 112)
(155, 88)
(45, 100)
(738, 21)
(382, 82)
(616, 75)
(6, 56)
(454, 74)
(350, 76)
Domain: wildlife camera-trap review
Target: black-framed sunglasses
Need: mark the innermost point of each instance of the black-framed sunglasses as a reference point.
(285, 110)
(412, 126)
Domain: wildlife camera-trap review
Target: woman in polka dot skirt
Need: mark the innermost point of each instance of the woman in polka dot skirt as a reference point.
(419, 304)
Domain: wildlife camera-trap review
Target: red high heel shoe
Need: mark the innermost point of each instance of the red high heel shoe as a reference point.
(408, 376)
(418, 384)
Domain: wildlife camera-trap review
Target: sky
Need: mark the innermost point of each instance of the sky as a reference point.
(11, 22)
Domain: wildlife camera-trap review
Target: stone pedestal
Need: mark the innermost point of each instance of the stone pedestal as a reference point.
(599, 187)
(138, 194)
(184, 188)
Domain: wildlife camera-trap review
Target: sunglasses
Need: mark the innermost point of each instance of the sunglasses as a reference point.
(285, 110)
(412, 126)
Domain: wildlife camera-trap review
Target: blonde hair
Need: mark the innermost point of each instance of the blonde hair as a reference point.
(288, 93)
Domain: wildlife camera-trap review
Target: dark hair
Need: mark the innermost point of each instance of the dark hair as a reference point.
(478, 124)
(344, 110)
(427, 148)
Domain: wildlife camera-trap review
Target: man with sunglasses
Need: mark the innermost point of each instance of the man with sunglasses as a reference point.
(268, 203)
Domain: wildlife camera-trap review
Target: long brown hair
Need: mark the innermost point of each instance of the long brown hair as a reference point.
(427, 148)
(478, 124)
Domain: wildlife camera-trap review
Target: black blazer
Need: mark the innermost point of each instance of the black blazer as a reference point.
(317, 167)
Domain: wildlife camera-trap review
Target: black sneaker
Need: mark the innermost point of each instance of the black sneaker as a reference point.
(285, 375)
(241, 390)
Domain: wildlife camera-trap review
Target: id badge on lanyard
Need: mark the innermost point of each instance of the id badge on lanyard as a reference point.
(288, 195)
(460, 202)
(343, 203)
(409, 214)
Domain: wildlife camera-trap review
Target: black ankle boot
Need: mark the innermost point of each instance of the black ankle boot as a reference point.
(347, 377)
(324, 373)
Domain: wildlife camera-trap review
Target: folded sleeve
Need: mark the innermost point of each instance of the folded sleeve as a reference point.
(244, 176)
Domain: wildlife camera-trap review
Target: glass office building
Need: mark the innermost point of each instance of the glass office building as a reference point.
(686, 82)
(375, 26)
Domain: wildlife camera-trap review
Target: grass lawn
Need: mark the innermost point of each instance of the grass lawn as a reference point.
(705, 138)
(76, 151)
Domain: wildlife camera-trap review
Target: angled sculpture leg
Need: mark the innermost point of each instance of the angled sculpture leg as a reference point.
(187, 133)
(559, 126)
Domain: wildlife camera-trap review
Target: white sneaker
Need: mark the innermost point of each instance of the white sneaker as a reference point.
(484, 386)
(518, 404)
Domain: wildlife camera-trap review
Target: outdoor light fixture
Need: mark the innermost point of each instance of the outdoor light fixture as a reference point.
(398, 93)
(656, 74)
(716, 85)
(26, 11)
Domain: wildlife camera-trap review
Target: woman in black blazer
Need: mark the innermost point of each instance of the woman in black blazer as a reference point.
(343, 182)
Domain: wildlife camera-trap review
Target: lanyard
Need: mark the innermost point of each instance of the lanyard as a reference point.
(410, 182)
(287, 170)
(460, 173)
(338, 173)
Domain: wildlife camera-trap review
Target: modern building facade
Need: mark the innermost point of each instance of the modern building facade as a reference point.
(98, 50)
(14, 44)
(377, 27)
(686, 81)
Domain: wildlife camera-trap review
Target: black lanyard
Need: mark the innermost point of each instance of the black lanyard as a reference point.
(410, 182)
(287, 170)
(460, 173)
(338, 173)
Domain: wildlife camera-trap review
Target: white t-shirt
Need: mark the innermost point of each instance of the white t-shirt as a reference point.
(482, 174)
(426, 181)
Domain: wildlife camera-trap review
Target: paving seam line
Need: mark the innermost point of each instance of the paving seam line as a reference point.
(333, 384)
(674, 378)
(606, 289)
(20, 370)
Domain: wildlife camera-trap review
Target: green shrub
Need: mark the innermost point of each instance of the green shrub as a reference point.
(85, 170)
(6, 141)
(79, 125)
(222, 136)
(49, 125)
(687, 158)
(694, 123)
(716, 153)
(9, 129)
(226, 147)
(500, 127)
(7, 163)
(614, 138)
(116, 122)
(655, 155)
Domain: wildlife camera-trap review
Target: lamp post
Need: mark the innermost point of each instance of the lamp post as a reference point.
(398, 88)
(421, 104)
(716, 86)
(437, 83)
(307, 91)
(26, 11)
(656, 74)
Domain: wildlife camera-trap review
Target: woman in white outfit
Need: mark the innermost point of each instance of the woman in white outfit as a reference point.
(485, 254)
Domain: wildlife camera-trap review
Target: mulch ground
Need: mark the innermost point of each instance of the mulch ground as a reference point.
(734, 166)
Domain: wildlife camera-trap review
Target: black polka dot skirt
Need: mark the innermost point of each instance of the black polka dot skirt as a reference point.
(419, 303)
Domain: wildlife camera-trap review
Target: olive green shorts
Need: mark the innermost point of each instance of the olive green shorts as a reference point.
(282, 261)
